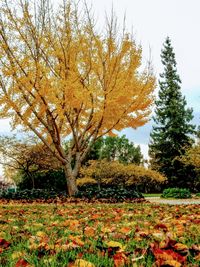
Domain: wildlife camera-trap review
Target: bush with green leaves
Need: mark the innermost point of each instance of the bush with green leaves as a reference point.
(176, 193)
(112, 194)
(31, 194)
(117, 194)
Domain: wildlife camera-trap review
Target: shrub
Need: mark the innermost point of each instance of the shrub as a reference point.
(118, 174)
(114, 194)
(117, 194)
(30, 194)
(176, 193)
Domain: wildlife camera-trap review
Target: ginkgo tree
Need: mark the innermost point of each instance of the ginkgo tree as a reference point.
(60, 77)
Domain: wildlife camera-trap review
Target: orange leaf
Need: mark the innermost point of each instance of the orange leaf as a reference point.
(172, 263)
(76, 240)
(89, 231)
(22, 263)
(125, 230)
(119, 259)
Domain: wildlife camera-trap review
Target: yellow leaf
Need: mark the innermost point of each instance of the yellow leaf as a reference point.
(83, 263)
(17, 254)
(114, 244)
(40, 234)
(2, 234)
(180, 247)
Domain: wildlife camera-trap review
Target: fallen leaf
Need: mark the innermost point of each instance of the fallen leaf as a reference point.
(114, 244)
(22, 263)
(120, 259)
(181, 248)
(125, 230)
(40, 234)
(83, 263)
(76, 240)
(17, 254)
(172, 263)
(158, 235)
(167, 255)
(4, 243)
(89, 231)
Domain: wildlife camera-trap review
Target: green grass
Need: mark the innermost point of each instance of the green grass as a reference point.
(152, 195)
(57, 235)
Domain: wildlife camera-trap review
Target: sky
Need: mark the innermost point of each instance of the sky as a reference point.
(151, 22)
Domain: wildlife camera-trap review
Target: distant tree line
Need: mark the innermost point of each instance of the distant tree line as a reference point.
(31, 166)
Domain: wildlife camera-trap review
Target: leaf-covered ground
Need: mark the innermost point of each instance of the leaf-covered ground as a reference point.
(89, 235)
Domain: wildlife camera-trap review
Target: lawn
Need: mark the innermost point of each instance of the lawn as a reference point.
(152, 195)
(99, 235)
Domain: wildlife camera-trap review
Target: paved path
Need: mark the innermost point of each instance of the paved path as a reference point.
(173, 201)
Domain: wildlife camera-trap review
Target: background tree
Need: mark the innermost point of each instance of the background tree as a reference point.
(3, 185)
(25, 158)
(116, 148)
(171, 133)
(192, 158)
(60, 77)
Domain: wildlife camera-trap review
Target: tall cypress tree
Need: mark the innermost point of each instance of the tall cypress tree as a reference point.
(172, 128)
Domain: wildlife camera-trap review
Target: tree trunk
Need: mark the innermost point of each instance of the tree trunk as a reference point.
(71, 182)
(32, 179)
(33, 182)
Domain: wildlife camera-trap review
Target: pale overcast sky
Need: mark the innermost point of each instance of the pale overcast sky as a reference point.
(151, 22)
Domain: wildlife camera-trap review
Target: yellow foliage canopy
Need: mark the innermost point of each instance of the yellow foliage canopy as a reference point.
(116, 173)
(60, 77)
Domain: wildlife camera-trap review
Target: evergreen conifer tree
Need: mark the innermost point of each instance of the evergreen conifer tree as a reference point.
(198, 133)
(172, 129)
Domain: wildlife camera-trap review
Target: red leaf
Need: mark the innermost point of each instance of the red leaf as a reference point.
(4, 243)
(22, 263)
(196, 221)
(169, 254)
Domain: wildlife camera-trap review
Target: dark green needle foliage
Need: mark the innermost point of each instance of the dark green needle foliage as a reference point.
(172, 128)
